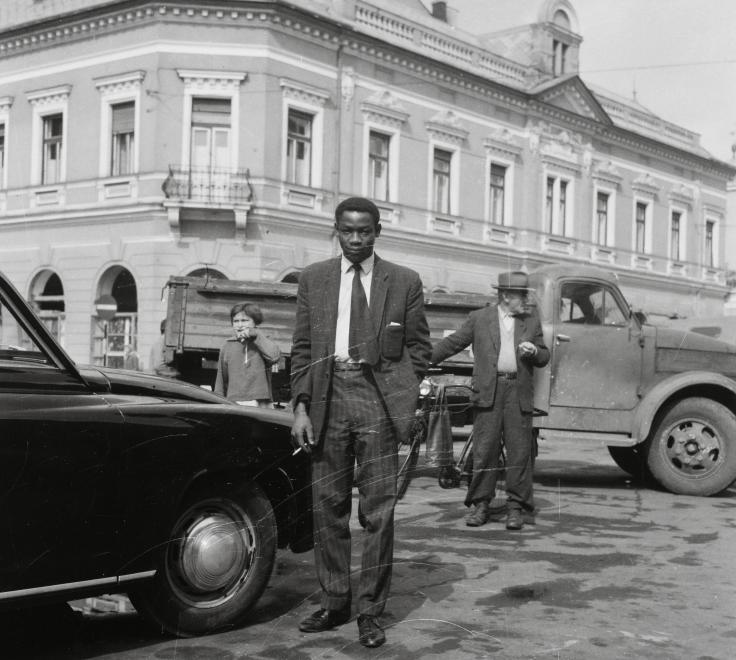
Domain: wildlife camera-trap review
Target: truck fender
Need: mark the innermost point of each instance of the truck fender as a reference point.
(678, 386)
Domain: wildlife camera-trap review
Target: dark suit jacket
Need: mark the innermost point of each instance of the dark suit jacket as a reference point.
(396, 298)
(482, 331)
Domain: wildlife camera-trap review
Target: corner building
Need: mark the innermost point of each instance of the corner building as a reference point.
(143, 139)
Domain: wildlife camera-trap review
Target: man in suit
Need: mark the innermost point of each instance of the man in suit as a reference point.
(507, 344)
(361, 346)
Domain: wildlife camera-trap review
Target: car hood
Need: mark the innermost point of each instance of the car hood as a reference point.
(127, 383)
(679, 350)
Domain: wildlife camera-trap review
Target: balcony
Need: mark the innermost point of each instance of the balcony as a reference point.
(207, 202)
(208, 185)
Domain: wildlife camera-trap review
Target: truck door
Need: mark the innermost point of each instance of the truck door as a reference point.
(596, 356)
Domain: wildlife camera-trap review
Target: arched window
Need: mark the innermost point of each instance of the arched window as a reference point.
(210, 273)
(114, 342)
(562, 19)
(47, 298)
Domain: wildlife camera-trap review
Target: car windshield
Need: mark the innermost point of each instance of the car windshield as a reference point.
(16, 344)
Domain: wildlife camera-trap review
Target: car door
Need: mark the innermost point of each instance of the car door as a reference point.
(596, 357)
(58, 444)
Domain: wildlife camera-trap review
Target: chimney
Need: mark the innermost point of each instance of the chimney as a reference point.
(439, 10)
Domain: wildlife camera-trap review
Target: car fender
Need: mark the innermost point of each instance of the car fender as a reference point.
(689, 383)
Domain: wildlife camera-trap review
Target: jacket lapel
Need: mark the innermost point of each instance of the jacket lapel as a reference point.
(493, 328)
(330, 300)
(379, 289)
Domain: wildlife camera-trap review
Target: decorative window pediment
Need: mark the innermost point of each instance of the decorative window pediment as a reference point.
(607, 172)
(682, 194)
(5, 103)
(125, 82)
(304, 93)
(384, 108)
(49, 96)
(645, 184)
(503, 142)
(204, 82)
(447, 127)
(559, 147)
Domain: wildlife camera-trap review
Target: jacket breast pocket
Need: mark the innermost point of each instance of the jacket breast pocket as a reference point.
(392, 341)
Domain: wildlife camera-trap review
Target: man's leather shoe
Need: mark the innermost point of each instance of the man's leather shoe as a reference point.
(323, 620)
(514, 520)
(479, 516)
(370, 634)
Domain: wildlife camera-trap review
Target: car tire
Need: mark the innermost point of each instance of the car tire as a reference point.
(631, 460)
(408, 451)
(691, 451)
(216, 564)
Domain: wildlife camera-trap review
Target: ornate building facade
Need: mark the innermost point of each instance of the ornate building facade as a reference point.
(144, 139)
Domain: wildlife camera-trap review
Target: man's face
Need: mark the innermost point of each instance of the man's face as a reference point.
(515, 301)
(357, 233)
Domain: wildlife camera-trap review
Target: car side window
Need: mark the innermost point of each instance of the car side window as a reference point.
(17, 347)
(589, 304)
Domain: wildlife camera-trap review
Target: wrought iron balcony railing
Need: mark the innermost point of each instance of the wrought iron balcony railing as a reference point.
(216, 185)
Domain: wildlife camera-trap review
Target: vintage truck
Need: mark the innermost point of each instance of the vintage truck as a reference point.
(662, 400)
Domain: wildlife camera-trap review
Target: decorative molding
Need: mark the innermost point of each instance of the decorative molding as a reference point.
(347, 86)
(301, 92)
(645, 184)
(49, 96)
(204, 81)
(607, 172)
(682, 194)
(384, 108)
(120, 83)
(6, 103)
(446, 126)
(502, 141)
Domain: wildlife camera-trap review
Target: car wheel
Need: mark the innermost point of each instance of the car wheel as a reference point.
(408, 456)
(216, 564)
(692, 451)
(631, 460)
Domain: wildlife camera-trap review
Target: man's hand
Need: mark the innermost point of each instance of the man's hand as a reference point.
(301, 430)
(527, 349)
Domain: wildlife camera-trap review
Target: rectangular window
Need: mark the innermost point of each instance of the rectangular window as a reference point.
(299, 148)
(210, 144)
(641, 227)
(559, 57)
(378, 153)
(2, 155)
(441, 171)
(498, 194)
(123, 127)
(601, 211)
(556, 206)
(52, 145)
(675, 236)
(709, 256)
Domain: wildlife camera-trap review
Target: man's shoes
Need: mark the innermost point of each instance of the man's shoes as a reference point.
(514, 519)
(370, 634)
(323, 620)
(479, 515)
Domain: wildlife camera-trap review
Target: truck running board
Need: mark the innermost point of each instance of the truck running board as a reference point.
(608, 439)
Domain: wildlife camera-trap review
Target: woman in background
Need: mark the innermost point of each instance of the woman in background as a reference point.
(244, 367)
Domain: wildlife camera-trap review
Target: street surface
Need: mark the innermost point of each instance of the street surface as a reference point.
(610, 570)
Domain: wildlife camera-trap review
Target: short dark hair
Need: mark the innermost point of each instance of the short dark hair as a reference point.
(252, 311)
(358, 204)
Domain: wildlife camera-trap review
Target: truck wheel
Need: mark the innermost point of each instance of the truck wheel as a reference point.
(631, 460)
(692, 451)
(216, 565)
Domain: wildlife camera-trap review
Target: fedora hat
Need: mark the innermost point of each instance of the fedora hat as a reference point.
(515, 280)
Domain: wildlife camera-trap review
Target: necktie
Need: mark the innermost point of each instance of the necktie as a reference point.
(361, 338)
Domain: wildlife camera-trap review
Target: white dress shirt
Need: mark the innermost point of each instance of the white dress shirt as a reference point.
(342, 331)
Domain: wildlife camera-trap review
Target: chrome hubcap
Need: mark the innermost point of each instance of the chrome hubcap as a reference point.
(213, 554)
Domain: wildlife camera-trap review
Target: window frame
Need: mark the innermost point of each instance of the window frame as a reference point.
(648, 223)
(609, 239)
(452, 176)
(290, 176)
(392, 160)
(508, 204)
(551, 215)
(681, 255)
(47, 103)
(713, 261)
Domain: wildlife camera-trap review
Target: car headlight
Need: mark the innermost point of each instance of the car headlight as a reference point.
(425, 387)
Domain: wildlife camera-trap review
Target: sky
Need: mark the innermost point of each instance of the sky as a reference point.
(679, 56)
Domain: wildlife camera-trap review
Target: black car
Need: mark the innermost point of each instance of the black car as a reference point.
(115, 481)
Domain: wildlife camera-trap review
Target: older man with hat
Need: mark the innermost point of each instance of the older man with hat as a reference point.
(507, 344)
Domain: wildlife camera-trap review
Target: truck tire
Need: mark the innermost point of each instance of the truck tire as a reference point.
(631, 460)
(691, 451)
(216, 564)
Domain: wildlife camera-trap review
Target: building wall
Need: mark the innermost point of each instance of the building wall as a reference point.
(353, 81)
